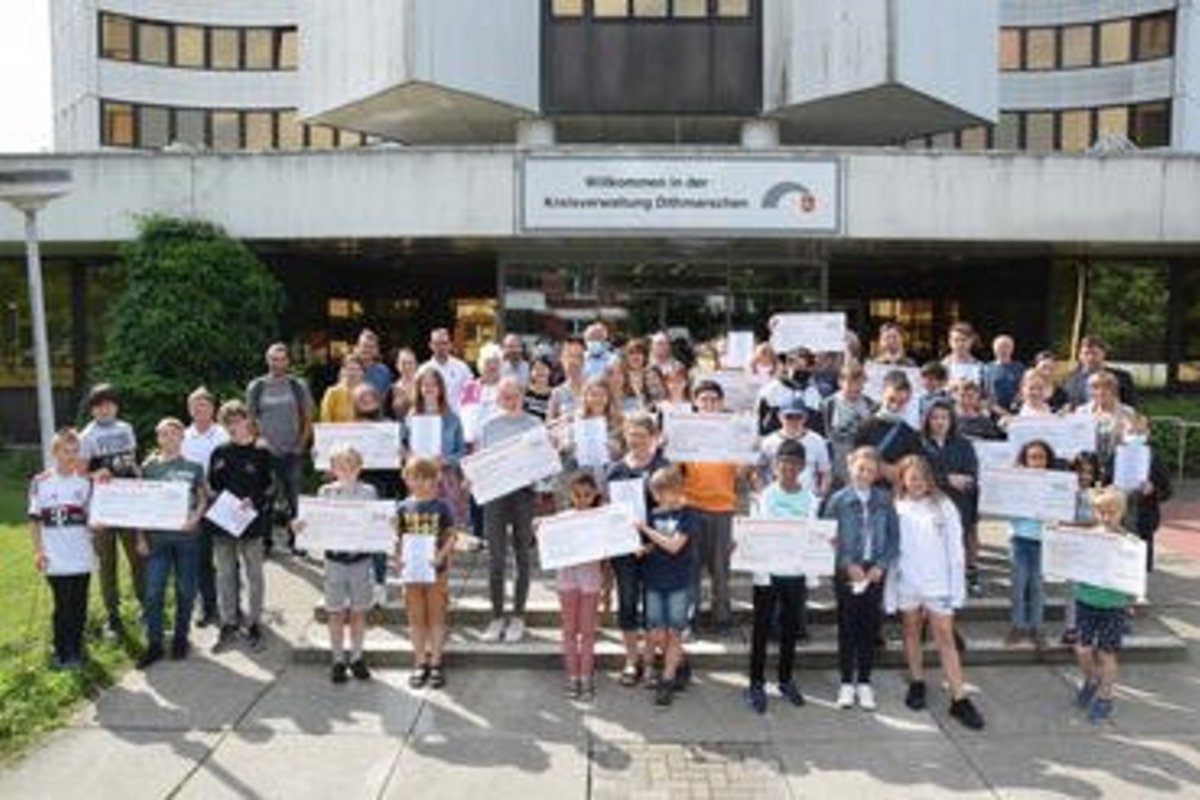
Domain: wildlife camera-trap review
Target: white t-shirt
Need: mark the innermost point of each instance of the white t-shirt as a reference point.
(455, 373)
(60, 503)
(816, 454)
(198, 447)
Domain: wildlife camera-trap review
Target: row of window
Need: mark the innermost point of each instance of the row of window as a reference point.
(1098, 44)
(650, 9)
(153, 126)
(173, 44)
(1069, 130)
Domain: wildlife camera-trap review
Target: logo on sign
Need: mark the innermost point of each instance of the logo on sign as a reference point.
(800, 197)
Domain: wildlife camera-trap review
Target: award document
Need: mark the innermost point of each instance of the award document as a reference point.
(425, 435)
(417, 552)
(144, 505)
(590, 435)
(630, 493)
(821, 332)
(228, 514)
(511, 464)
(711, 437)
(741, 388)
(1091, 555)
(1036, 493)
(739, 349)
(1068, 436)
(994, 454)
(1131, 466)
(377, 442)
(350, 526)
(580, 537)
(784, 546)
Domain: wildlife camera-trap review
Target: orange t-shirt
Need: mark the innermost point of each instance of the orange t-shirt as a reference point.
(710, 485)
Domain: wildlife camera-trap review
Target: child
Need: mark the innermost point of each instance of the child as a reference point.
(889, 432)
(1028, 596)
(62, 544)
(818, 470)
(974, 420)
(785, 498)
(927, 583)
(935, 382)
(169, 551)
(348, 575)
(578, 593)
(423, 514)
(844, 413)
(1103, 615)
(867, 542)
(668, 571)
(1087, 469)
(367, 404)
(241, 467)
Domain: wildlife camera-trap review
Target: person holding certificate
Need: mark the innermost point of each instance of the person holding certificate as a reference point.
(171, 551)
(1025, 551)
(368, 407)
(888, 432)
(595, 430)
(433, 413)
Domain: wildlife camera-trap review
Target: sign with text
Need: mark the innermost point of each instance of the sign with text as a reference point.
(768, 195)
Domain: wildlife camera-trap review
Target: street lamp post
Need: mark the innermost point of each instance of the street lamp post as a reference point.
(28, 191)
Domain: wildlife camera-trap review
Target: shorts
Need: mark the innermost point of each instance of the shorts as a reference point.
(667, 608)
(941, 605)
(348, 585)
(1101, 628)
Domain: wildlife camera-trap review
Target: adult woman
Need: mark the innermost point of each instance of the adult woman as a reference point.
(404, 390)
(337, 404)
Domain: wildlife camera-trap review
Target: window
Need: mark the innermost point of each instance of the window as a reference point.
(189, 46)
(191, 126)
(610, 8)
(1008, 132)
(1010, 49)
(118, 124)
(1115, 41)
(260, 130)
(289, 49)
(347, 139)
(1076, 130)
(1041, 45)
(320, 137)
(1039, 131)
(649, 8)
(942, 141)
(1155, 36)
(1077, 46)
(733, 8)
(291, 132)
(260, 48)
(154, 44)
(226, 47)
(116, 37)
(690, 9)
(226, 130)
(1151, 124)
(973, 138)
(154, 126)
(1113, 120)
(567, 8)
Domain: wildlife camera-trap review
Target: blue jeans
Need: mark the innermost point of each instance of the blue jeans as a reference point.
(1028, 597)
(286, 469)
(180, 553)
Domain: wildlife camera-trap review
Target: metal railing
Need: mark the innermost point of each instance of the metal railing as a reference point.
(1180, 429)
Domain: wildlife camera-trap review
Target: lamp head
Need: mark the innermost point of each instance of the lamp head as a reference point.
(32, 189)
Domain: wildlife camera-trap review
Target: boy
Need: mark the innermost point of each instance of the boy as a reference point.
(668, 571)
(200, 439)
(62, 544)
(241, 467)
(786, 498)
(169, 551)
(108, 447)
(423, 514)
(935, 381)
(888, 433)
(844, 413)
(818, 470)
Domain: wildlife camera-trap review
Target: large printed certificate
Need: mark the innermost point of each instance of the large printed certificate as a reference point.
(425, 435)
(350, 526)
(1068, 436)
(740, 388)
(145, 505)
(711, 437)
(821, 332)
(229, 514)
(784, 546)
(994, 454)
(739, 349)
(630, 493)
(1091, 555)
(511, 464)
(580, 537)
(377, 442)
(1131, 466)
(1035, 493)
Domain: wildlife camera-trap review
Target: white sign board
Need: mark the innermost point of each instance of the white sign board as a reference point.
(377, 442)
(784, 546)
(581, 537)
(730, 438)
(1043, 494)
(1091, 555)
(1068, 436)
(143, 505)
(821, 331)
(511, 464)
(348, 526)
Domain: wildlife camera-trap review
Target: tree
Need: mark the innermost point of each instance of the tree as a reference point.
(197, 308)
(1127, 306)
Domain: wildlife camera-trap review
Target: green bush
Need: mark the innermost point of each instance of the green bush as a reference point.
(1164, 434)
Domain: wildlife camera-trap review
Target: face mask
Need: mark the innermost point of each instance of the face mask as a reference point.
(1135, 438)
(595, 348)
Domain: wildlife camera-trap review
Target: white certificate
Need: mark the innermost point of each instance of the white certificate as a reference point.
(1092, 555)
(514, 463)
(349, 526)
(377, 442)
(228, 514)
(145, 505)
(591, 441)
(581, 537)
(1068, 436)
(1043, 494)
(821, 332)
(1131, 466)
(874, 372)
(741, 389)
(739, 349)
(630, 493)
(417, 552)
(784, 546)
(711, 437)
(960, 371)
(994, 454)
(425, 435)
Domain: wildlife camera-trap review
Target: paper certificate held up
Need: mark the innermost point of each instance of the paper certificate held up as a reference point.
(511, 464)
(590, 435)
(377, 442)
(821, 332)
(739, 349)
(1090, 555)
(740, 388)
(630, 493)
(729, 438)
(1068, 436)
(784, 546)
(425, 435)
(1035, 493)
(348, 526)
(1131, 466)
(580, 537)
(228, 514)
(417, 552)
(139, 504)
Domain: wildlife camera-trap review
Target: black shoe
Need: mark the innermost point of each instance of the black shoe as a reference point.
(965, 712)
(179, 649)
(153, 654)
(662, 693)
(915, 698)
(225, 639)
(254, 638)
(790, 691)
(206, 619)
(358, 668)
(418, 678)
(338, 673)
(437, 677)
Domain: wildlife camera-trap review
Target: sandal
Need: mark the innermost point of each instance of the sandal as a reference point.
(419, 677)
(437, 678)
(631, 674)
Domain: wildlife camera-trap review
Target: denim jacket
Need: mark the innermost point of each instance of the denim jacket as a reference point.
(845, 507)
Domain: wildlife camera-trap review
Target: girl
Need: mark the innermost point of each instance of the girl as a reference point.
(678, 395)
(626, 398)
(926, 584)
(404, 390)
(369, 408)
(1028, 596)
(431, 399)
(337, 404)
(867, 540)
(645, 383)
(843, 414)
(537, 392)
(956, 472)
(763, 364)
(1046, 365)
(578, 592)
(597, 404)
(1113, 419)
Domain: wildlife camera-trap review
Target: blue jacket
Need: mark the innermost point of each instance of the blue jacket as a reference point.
(453, 445)
(845, 507)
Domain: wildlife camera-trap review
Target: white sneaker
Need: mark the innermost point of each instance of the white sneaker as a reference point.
(866, 697)
(845, 698)
(515, 631)
(494, 631)
(379, 596)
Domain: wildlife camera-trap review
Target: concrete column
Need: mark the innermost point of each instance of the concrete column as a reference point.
(760, 134)
(535, 132)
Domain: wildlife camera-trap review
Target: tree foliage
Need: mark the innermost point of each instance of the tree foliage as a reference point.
(197, 308)
(1127, 306)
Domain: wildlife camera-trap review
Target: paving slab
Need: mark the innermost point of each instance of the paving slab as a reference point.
(640, 770)
(304, 700)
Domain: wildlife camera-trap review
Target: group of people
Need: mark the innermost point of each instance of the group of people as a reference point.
(892, 464)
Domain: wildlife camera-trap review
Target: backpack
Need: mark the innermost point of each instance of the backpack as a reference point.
(254, 394)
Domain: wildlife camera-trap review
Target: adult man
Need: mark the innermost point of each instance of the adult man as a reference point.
(282, 407)
(891, 346)
(513, 363)
(1093, 352)
(1002, 376)
(375, 371)
(455, 373)
(598, 354)
(199, 440)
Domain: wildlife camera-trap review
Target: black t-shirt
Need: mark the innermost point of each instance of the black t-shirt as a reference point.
(666, 571)
(621, 471)
(243, 470)
(425, 518)
(536, 403)
(892, 437)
